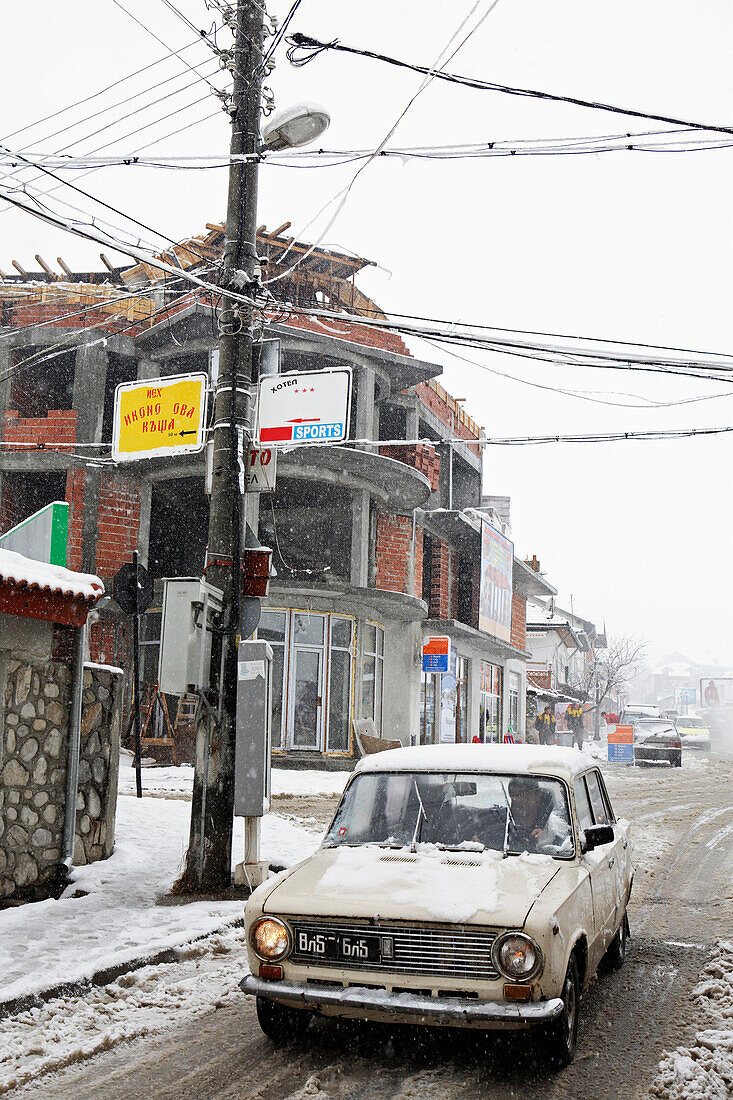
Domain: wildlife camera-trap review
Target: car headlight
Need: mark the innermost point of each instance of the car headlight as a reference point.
(517, 956)
(270, 939)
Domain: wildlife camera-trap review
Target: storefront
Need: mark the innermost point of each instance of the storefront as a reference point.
(323, 665)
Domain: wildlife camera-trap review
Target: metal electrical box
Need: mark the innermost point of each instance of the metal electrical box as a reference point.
(189, 607)
(254, 729)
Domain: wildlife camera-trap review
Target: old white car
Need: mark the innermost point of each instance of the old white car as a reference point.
(464, 885)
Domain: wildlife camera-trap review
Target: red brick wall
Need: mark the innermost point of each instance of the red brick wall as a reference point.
(394, 535)
(519, 622)
(441, 581)
(353, 332)
(419, 547)
(75, 481)
(440, 408)
(57, 428)
(118, 520)
(420, 456)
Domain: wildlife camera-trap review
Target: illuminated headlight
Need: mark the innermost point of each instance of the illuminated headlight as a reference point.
(517, 956)
(270, 939)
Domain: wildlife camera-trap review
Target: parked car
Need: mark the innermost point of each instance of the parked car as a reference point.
(693, 732)
(632, 711)
(656, 741)
(470, 886)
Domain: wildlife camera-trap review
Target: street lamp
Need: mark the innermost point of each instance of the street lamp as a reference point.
(295, 126)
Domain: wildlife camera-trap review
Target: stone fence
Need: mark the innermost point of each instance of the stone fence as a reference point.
(33, 760)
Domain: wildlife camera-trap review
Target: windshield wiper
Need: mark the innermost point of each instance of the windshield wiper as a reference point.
(420, 815)
(509, 818)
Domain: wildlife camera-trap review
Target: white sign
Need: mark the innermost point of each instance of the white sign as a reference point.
(261, 469)
(304, 409)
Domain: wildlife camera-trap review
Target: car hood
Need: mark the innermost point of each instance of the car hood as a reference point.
(429, 885)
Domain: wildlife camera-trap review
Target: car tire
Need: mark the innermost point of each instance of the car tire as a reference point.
(616, 953)
(561, 1036)
(677, 763)
(279, 1022)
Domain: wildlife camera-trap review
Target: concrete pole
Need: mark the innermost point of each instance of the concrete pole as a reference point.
(208, 863)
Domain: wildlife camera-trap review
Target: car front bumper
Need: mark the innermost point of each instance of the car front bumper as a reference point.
(376, 1004)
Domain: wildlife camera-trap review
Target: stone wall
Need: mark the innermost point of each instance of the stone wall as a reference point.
(33, 758)
(99, 759)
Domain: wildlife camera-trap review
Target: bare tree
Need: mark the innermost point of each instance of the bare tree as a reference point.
(609, 670)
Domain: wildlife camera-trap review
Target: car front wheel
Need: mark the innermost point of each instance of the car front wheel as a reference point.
(280, 1022)
(561, 1035)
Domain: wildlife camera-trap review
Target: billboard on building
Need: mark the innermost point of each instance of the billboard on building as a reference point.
(495, 601)
(717, 692)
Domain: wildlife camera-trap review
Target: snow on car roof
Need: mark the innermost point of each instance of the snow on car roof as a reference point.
(27, 573)
(503, 758)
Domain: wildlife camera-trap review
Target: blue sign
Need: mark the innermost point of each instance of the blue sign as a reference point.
(435, 662)
(620, 754)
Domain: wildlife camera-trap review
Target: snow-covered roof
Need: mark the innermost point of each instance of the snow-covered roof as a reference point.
(26, 573)
(539, 759)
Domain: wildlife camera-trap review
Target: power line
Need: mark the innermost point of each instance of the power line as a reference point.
(311, 47)
(95, 95)
(563, 146)
(430, 74)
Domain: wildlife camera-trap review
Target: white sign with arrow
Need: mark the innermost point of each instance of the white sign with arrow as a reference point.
(304, 409)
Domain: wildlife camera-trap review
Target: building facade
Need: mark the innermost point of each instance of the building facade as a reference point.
(376, 545)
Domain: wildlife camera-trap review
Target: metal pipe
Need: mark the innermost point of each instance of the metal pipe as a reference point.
(72, 757)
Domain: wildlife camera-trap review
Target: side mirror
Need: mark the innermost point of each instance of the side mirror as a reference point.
(596, 835)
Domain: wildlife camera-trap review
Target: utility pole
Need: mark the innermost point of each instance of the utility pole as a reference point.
(208, 862)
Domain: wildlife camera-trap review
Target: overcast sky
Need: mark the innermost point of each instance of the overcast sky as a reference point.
(625, 245)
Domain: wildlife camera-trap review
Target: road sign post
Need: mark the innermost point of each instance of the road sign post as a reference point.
(621, 745)
(132, 588)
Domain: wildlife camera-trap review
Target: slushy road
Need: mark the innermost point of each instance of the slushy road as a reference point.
(683, 832)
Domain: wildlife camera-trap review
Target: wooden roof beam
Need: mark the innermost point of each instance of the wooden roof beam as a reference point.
(21, 270)
(51, 274)
(64, 267)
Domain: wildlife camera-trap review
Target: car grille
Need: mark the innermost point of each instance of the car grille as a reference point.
(442, 952)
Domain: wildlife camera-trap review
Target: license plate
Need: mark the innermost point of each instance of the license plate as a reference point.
(338, 946)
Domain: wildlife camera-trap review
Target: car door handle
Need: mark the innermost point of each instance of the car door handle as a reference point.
(611, 861)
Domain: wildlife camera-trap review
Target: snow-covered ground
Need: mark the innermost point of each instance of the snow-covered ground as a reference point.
(179, 781)
(50, 942)
(72, 1028)
(704, 1069)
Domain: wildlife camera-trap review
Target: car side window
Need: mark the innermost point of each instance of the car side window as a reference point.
(606, 799)
(585, 818)
(600, 813)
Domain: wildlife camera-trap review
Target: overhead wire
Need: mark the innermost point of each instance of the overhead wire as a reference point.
(441, 60)
(311, 47)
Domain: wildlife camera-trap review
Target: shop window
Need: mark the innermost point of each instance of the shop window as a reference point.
(514, 684)
(339, 685)
(372, 673)
(490, 716)
(272, 628)
(462, 673)
(427, 709)
(312, 679)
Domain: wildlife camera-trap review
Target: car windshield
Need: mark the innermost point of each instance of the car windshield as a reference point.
(469, 811)
(654, 726)
(691, 723)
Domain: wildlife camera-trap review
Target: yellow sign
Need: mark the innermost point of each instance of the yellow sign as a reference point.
(162, 416)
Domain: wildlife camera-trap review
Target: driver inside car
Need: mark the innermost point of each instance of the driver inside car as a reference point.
(533, 826)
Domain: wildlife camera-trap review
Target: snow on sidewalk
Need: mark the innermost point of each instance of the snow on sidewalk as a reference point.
(51, 942)
(285, 781)
(74, 1027)
(704, 1069)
